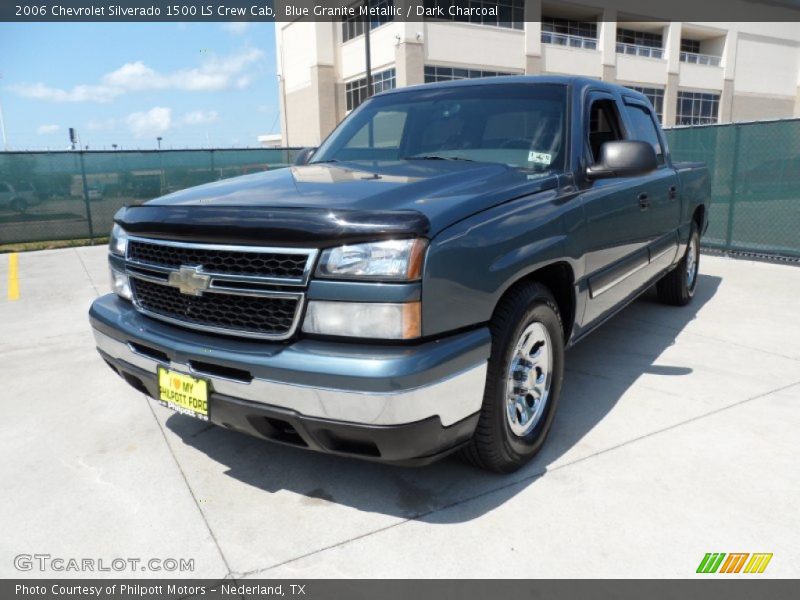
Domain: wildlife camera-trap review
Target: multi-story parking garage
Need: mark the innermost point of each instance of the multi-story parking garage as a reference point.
(694, 73)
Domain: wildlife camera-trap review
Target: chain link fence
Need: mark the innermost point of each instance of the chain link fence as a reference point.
(755, 183)
(48, 196)
(755, 173)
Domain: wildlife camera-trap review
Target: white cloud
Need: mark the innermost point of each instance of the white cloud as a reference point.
(48, 129)
(200, 117)
(131, 76)
(243, 81)
(214, 74)
(149, 123)
(236, 27)
(79, 93)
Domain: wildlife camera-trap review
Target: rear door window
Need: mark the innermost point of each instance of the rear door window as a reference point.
(644, 128)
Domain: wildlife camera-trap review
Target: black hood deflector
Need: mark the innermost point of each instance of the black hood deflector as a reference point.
(265, 226)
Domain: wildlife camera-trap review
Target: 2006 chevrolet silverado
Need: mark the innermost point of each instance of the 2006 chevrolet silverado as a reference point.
(411, 288)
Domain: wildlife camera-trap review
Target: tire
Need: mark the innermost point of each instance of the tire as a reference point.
(19, 205)
(503, 443)
(677, 287)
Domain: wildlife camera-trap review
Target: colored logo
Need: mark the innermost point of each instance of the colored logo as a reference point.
(735, 562)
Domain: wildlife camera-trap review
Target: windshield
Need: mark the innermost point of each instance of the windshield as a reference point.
(517, 124)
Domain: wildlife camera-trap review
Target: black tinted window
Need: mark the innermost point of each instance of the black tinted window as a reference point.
(644, 129)
(603, 126)
(517, 125)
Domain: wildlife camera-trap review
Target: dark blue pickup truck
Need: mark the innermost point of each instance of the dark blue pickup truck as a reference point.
(410, 288)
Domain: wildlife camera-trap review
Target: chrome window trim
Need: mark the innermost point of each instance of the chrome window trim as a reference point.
(310, 253)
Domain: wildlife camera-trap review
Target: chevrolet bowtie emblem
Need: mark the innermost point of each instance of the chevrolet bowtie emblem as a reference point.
(189, 280)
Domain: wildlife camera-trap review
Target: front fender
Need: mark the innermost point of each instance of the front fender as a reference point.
(471, 264)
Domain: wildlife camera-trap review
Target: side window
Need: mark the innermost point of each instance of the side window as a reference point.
(603, 126)
(644, 129)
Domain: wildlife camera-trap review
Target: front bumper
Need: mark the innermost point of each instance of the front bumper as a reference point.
(405, 404)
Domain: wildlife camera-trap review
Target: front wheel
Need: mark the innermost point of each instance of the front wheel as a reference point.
(523, 382)
(677, 287)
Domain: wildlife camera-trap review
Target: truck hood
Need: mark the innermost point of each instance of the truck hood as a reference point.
(337, 200)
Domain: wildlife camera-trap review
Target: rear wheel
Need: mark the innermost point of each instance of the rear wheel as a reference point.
(677, 287)
(523, 383)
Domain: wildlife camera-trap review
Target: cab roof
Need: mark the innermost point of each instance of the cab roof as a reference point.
(574, 82)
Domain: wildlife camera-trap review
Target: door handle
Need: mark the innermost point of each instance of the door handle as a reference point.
(644, 201)
(673, 192)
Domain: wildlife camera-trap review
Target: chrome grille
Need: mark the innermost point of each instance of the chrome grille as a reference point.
(234, 290)
(255, 315)
(273, 264)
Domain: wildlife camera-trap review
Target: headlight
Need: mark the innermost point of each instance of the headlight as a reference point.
(399, 260)
(120, 284)
(364, 319)
(118, 242)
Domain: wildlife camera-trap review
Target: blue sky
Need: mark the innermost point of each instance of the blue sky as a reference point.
(127, 83)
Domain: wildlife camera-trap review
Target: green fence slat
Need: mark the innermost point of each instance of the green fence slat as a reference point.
(74, 194)
(755, 183)
(754, 169)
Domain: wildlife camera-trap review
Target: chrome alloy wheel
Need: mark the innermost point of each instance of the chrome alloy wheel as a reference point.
(528, 380)
(691, 263)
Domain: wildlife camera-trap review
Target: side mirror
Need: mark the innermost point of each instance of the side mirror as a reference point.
(623, 159)
(302, 157)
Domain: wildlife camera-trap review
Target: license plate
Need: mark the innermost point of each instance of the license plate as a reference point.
(183, 393)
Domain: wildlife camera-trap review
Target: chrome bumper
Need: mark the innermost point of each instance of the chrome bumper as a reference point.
(451, 398)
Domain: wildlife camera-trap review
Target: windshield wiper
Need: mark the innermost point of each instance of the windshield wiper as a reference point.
(436, 157)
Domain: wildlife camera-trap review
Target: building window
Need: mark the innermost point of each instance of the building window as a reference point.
(656, 97)
(356, 91)
(434, 73)
(640, 43)
(500, 13)
(692, 46)
(640, 38)
(352, 27)
(566, 32)
(587, 29)
(697, 108)
(385, 80)
(690, 53)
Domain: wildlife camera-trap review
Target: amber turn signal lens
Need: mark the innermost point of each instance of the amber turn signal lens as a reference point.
(412, 320)
(416, 259)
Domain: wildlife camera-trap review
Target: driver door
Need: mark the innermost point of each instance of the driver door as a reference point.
(615, 238)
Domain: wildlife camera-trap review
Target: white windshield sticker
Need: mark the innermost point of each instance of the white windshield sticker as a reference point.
(539, 158)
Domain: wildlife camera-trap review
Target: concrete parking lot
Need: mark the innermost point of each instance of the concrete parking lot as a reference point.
(677, 435)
